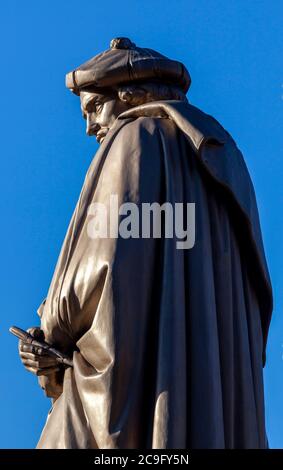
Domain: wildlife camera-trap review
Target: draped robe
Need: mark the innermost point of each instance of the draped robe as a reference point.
(168, 344)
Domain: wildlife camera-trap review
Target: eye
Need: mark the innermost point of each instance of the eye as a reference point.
(91, 107)
(98, 107)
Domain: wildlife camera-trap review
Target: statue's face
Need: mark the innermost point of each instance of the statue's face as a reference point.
(100, 112)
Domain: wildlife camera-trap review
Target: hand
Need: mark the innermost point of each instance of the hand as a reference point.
(34, 358)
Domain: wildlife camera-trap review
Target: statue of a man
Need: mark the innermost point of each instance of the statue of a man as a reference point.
(168, 344)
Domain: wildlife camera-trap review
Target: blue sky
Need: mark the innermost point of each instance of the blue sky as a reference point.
(233, 50)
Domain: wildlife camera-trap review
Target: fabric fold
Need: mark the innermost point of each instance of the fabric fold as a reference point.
(168, 342)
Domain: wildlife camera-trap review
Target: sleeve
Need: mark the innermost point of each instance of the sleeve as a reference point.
(84, 284)
(41, 308)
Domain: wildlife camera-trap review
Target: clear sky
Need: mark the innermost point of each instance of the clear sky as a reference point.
(233, 50)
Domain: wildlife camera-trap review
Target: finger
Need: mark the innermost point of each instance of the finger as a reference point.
(40, 359)
(30, 348)
(37, 357)
(34, 364)
(38, 372)
(25, 347)
(39, 364)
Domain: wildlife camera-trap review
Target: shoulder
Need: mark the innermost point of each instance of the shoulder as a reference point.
(209, 125)
(137, 151)
(141, 125)
(140, 134)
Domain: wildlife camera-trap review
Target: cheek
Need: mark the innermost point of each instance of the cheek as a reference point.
(107, 115)
(91, 118)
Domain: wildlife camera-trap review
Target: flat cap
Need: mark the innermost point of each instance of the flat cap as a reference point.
(123, 63)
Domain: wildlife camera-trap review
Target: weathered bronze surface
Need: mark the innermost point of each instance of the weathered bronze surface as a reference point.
(168, 345)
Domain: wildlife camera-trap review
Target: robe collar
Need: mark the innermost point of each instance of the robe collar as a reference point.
(187, 117)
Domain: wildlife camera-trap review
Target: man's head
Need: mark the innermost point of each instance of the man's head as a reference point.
(101, 109)
(121, 77)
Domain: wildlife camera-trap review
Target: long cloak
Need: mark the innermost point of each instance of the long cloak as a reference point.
(168, 344)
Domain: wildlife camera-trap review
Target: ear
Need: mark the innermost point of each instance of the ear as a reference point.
(126, 96)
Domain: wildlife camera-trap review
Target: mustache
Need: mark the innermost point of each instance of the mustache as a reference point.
(97, 132)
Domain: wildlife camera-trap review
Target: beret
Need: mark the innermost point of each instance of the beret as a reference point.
(124, 63)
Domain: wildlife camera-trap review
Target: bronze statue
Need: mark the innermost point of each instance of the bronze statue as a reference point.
(167, 344)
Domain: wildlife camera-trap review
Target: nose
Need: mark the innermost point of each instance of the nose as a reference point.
(92, 126)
